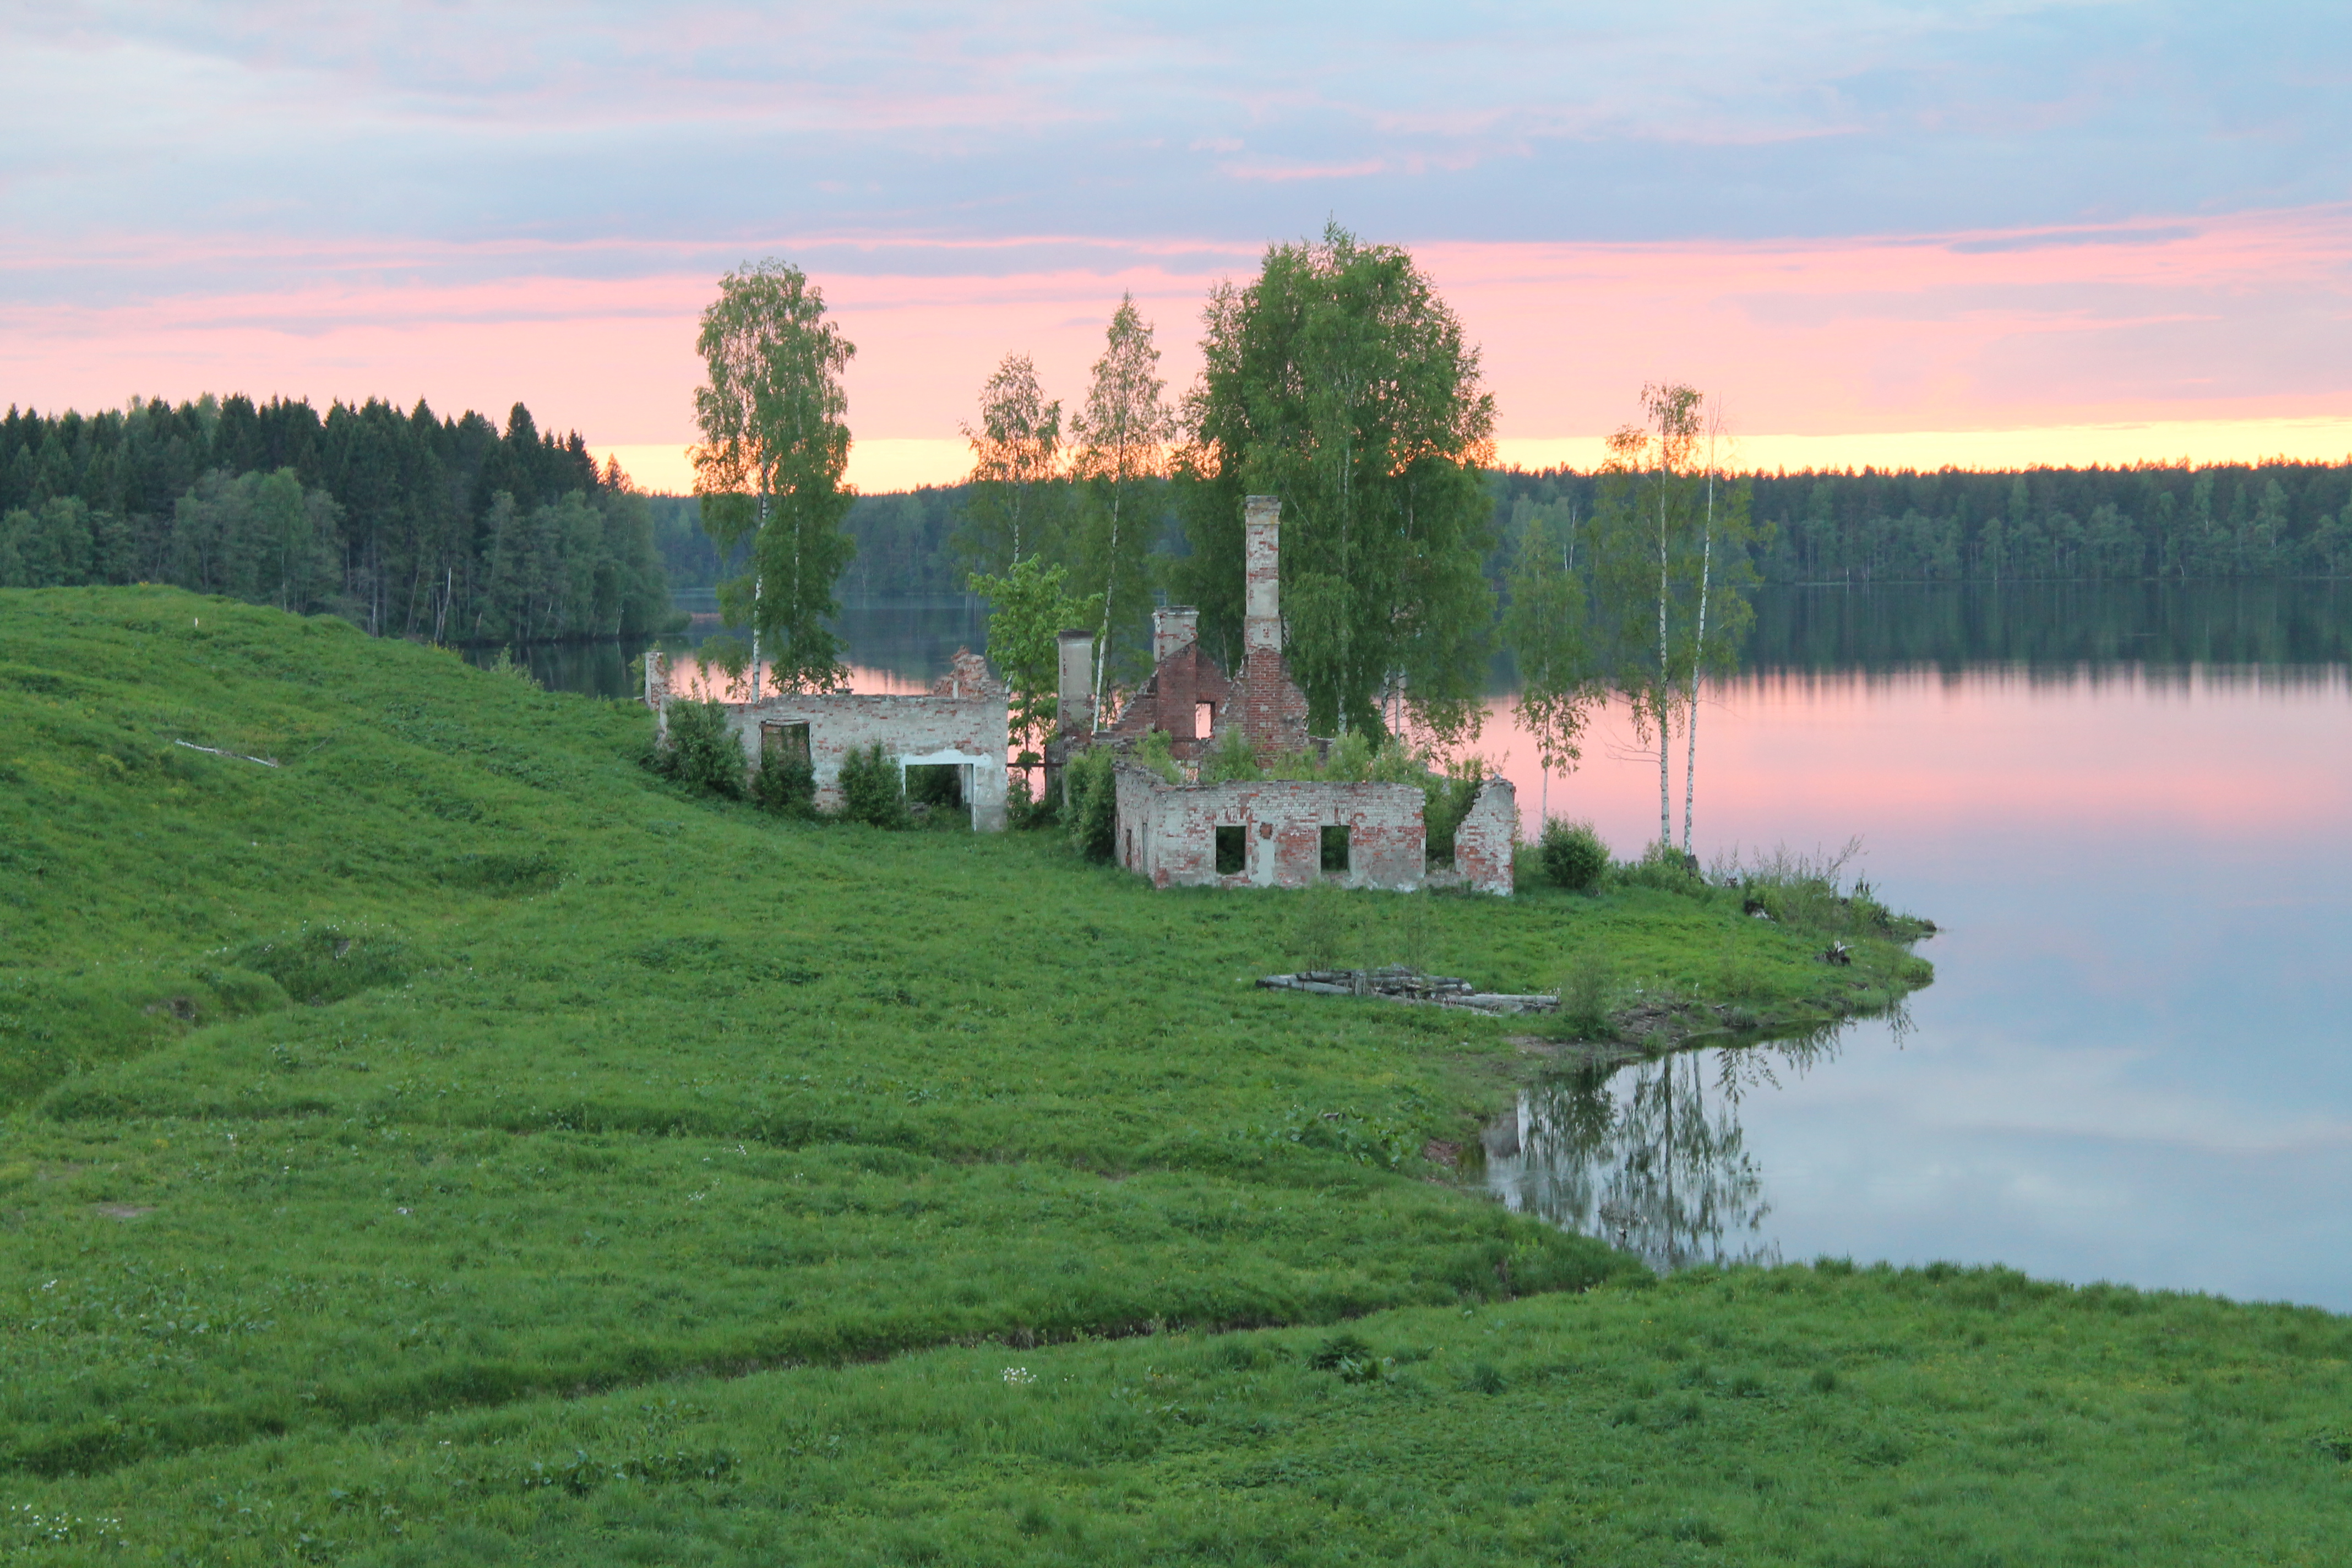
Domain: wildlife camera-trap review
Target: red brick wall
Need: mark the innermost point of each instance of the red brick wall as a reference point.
(1490, 833)
(1267, 704)
(1168, 833)
(1169, 700)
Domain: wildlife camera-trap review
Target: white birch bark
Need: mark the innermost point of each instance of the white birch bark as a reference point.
(1698, 650)
(1665, 671)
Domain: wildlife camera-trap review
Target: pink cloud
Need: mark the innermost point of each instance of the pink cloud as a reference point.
(2234, 319)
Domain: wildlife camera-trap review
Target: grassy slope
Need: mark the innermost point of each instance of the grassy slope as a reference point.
(378, 1111)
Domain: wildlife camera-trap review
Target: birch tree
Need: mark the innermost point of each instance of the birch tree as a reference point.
(1340, 381)
(1671, 577)
(1725, 574)
(1016, 454)
(775, 442)
(1644, 532)
(1029, 608)
(1122, 434)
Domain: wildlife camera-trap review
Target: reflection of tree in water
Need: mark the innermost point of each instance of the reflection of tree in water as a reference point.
(1649, 1155)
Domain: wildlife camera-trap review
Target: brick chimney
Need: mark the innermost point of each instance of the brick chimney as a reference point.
(1262, 604)
(1174, 629)
(1073, 712)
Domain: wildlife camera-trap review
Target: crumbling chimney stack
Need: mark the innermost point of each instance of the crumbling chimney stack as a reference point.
(1174, 629)
(1074, 711)
(1261, 602)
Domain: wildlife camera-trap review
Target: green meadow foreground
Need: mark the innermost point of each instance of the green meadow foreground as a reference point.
(456, 1145)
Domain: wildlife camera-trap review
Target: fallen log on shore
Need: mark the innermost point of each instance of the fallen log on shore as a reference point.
(1398, 983)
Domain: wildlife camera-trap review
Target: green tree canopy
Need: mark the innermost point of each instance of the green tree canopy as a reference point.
(1028, 609)
(775, 442)
(409, 524)
(1340, 381)
(1014, 509)
(1123, 432)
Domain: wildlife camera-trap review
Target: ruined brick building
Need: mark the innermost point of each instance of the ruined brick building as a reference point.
(961, 725)
(1276, 833)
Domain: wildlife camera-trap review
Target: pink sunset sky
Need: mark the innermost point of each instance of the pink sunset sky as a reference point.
(1974, 234)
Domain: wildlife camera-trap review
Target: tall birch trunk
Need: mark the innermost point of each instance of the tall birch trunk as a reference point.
(1110, 587)
(1665, 673)
(1698, 652)
(757, 581)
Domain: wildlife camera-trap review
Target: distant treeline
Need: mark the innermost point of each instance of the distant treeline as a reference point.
(906, 544)
(408, 524)
(2273, 520)
(2268, 519)
(411, 524)
(2055, 627)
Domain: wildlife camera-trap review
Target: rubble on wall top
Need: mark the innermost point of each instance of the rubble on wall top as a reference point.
(968, 675)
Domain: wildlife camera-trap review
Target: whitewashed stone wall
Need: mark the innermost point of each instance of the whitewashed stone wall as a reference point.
(969, 731)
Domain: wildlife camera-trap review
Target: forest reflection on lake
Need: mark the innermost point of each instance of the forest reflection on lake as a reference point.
(1649, 1155)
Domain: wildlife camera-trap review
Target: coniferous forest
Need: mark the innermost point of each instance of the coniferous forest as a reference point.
(2230, 520)
(407, 524)
(2069, 525)
(451, 530)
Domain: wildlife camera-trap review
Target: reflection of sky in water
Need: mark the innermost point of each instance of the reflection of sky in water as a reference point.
(893, 644)
(2136, 1060)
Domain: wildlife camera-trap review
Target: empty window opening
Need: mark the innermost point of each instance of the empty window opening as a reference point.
(1232, 850)
(789, 741)
(1335, 848)
(1204, 718)
(1129, 857)
(935, 791)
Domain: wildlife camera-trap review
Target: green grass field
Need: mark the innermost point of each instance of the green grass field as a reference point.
(454, 1144)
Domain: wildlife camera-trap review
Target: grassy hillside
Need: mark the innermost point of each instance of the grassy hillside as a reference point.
(452, 1143)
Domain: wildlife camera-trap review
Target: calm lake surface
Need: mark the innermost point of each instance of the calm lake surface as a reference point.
(2129, 810)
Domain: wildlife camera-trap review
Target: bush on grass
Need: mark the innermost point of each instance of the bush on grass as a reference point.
(1323, 931)
(785, 784)
(1025, 811)
(873, 789)
(1585, 992)
(1089, 777)
(1572, 854)
(1666, 869)
(700, 752)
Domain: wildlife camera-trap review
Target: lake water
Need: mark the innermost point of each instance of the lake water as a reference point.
(2129, 810)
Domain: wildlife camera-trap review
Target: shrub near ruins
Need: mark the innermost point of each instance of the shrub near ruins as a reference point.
(1091, 777)
(1572, 854)
(785, 784)
(873, 789)
(700, 752)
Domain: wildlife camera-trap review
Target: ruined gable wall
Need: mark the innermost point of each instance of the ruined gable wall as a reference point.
(1267, 704)
(1171, 700)
(968, 675)
(1168, 832)
(1484, 844)
(658, 692)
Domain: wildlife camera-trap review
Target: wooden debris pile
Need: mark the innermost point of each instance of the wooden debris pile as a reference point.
(1397, 984)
